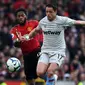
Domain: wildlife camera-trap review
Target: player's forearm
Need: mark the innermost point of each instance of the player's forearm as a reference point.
(79, 22)
(33, 33)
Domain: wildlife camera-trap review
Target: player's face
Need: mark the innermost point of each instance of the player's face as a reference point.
(50, 13)
(21, 17)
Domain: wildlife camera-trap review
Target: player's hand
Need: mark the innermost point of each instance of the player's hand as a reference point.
(19, 36)
(26, 37)
(22, 38)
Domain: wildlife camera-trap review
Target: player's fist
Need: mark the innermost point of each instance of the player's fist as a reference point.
(26, 36)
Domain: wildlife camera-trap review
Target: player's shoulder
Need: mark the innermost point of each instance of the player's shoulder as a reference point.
(43, 20)
(61, 17)
(33, 21)
(14, 27)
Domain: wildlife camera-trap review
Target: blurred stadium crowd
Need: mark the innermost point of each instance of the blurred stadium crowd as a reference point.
(74, 66)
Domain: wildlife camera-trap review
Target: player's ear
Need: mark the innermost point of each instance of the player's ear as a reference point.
(25, 16)
(56, 10)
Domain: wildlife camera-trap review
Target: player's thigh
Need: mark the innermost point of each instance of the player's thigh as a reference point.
(30, 64)
(58, 59)
(42, 64)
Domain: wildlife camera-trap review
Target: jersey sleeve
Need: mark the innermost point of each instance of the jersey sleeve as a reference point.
(68, 21)
(13, 34)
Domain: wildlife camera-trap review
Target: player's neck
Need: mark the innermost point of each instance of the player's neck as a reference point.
(52, 19)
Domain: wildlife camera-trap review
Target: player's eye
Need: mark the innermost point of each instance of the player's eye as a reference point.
(20, 15)
(48, 11)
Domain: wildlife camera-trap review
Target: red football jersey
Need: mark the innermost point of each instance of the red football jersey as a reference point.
(30, 45)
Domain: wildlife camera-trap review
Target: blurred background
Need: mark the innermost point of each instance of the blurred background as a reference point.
(73, 71)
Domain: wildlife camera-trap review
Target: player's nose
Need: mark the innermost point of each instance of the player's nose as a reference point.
(20, 17)
(48, 13)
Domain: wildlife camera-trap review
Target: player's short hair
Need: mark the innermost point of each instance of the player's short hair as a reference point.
(19, 10)
(53, 6)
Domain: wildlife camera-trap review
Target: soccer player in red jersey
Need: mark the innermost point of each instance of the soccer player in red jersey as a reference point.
(30, 48)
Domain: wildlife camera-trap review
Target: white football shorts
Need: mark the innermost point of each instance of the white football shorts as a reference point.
(51, 58)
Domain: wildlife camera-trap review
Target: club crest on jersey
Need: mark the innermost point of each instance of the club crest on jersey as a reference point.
(29, 28)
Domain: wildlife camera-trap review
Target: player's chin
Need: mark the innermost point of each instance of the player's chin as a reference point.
(50, 19)
(21, 22)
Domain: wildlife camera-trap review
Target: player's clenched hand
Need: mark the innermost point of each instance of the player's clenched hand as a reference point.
(22, 38)
(19, 36)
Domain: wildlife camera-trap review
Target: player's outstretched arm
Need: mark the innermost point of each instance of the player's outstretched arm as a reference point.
(34, 32)
(79, 22)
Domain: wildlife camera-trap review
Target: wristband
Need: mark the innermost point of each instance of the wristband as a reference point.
(27, 37)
